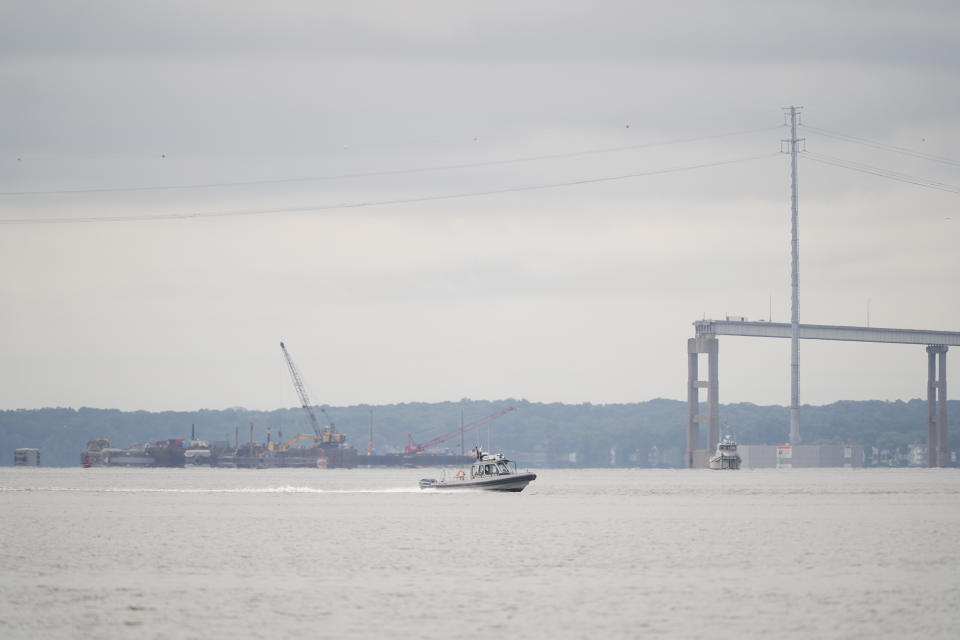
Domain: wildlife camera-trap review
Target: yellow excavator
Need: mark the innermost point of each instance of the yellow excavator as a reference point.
(326, 436)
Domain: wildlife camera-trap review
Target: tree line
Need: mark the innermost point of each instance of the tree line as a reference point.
(651, 433)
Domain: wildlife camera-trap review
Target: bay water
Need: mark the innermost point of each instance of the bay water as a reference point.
(364, 553)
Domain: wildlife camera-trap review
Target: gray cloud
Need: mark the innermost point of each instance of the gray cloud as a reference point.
(919, 33)
(575, 293)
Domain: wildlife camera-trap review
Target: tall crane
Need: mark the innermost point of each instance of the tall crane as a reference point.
(326, 434)
(413, 447)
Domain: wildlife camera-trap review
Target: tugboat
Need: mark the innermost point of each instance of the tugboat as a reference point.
(726, 456)
(198, 454)
(489, 472)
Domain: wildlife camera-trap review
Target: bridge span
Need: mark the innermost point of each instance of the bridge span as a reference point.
(706, 332)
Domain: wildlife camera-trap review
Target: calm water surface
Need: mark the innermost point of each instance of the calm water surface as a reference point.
(224, 553)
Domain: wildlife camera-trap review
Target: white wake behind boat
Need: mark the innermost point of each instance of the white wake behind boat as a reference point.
(489, 472)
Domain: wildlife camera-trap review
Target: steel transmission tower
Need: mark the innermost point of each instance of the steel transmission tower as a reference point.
(794, 282)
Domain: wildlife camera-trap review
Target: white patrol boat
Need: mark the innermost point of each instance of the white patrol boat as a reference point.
(489, 472)
(726, 456)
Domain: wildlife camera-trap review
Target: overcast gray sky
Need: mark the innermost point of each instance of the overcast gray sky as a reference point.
(579, 290)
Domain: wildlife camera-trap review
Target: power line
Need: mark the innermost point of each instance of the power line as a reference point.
(883, 146)
(387, 172)
(376, 203)
(883, 173)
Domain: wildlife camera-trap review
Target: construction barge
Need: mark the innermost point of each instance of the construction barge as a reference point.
(328, 450)
(162, 453)
(179, 453)
(324, 448)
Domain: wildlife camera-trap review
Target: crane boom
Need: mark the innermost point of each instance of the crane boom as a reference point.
(414, 447)
(301, 390)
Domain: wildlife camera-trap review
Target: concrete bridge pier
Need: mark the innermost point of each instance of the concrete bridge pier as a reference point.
(695, 346)
(937, 451)
(706, 342)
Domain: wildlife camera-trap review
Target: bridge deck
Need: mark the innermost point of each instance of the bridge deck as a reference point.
(826, 332)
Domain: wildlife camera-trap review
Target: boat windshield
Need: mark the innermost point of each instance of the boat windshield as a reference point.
(491, 468)
(488, 469)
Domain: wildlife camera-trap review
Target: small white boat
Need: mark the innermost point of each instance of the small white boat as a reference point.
(726, 456)
(198, 454)
(488, 473)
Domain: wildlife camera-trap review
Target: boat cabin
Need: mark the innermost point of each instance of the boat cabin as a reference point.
(491, 465)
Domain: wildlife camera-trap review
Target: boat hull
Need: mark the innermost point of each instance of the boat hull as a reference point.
(725, 462)
(515, 482)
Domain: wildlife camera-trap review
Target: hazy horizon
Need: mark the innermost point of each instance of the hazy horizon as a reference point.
(297, 407)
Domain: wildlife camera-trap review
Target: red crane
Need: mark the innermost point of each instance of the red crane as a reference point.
(413, 447)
